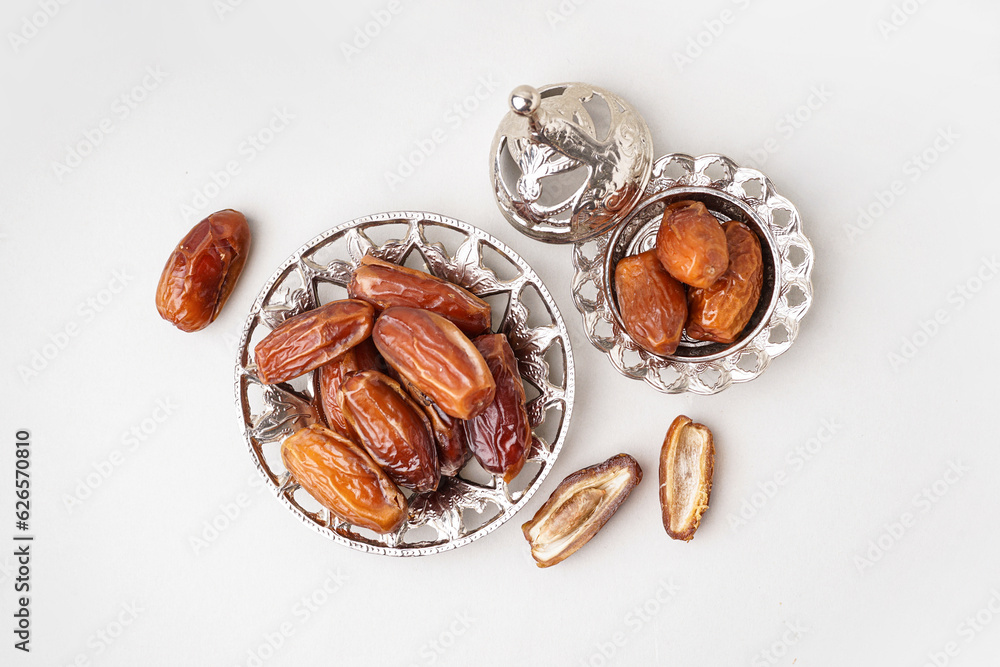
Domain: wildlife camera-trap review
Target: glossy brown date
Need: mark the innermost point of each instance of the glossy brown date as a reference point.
(500, 436)
(201, 272)
(392, 427)
(579, 507)
(453, 450)
(329, 377)
(719, 313)
(691, 244)
(652, 303)
(449, 434)
(343, 478)
(385, 285)
(311, 339)
(437, 358)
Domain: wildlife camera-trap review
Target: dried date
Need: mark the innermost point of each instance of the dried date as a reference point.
(500, 436)
(343, 478)
(691, 244)
(202, 270)
(579, 507)
(652, 303)
(687, 461)
(449, 434)
(437, 358)
(719, 313)
(392, 427)
(311, 339)
(385, 285)
(452, 447)
(329, 377)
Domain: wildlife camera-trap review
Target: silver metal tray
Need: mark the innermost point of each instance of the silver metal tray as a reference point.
(473, 503)
(729, 192)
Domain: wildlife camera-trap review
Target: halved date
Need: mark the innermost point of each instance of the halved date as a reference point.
(691, 244)
(329, 377)
(311, 339)
(500, 436)
(687, 461)
(579, 507)
(437, 358)
(343, 478)
(652, 303)
(392, 427)
(719, 312)
(202, 270)
(384, 285)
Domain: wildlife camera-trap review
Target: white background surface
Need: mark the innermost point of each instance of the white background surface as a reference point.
(732, 592)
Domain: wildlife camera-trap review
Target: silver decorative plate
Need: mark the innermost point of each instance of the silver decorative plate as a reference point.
(473, 503)
(729, 192)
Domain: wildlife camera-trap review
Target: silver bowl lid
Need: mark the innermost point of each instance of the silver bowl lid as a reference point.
(569, 161)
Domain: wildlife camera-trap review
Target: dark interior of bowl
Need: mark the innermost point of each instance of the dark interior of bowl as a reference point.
(638, 234)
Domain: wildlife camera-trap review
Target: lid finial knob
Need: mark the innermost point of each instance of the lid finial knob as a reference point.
(524, 100)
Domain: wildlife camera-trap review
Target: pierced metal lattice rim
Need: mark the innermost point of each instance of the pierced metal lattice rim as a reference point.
(289, 409)
(782, 228)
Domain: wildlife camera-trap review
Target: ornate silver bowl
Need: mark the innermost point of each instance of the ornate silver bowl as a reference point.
(729, 192)
(473, 503)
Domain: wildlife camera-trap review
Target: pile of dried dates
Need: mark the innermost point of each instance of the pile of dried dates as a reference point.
(411, 383)
(703, 278)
